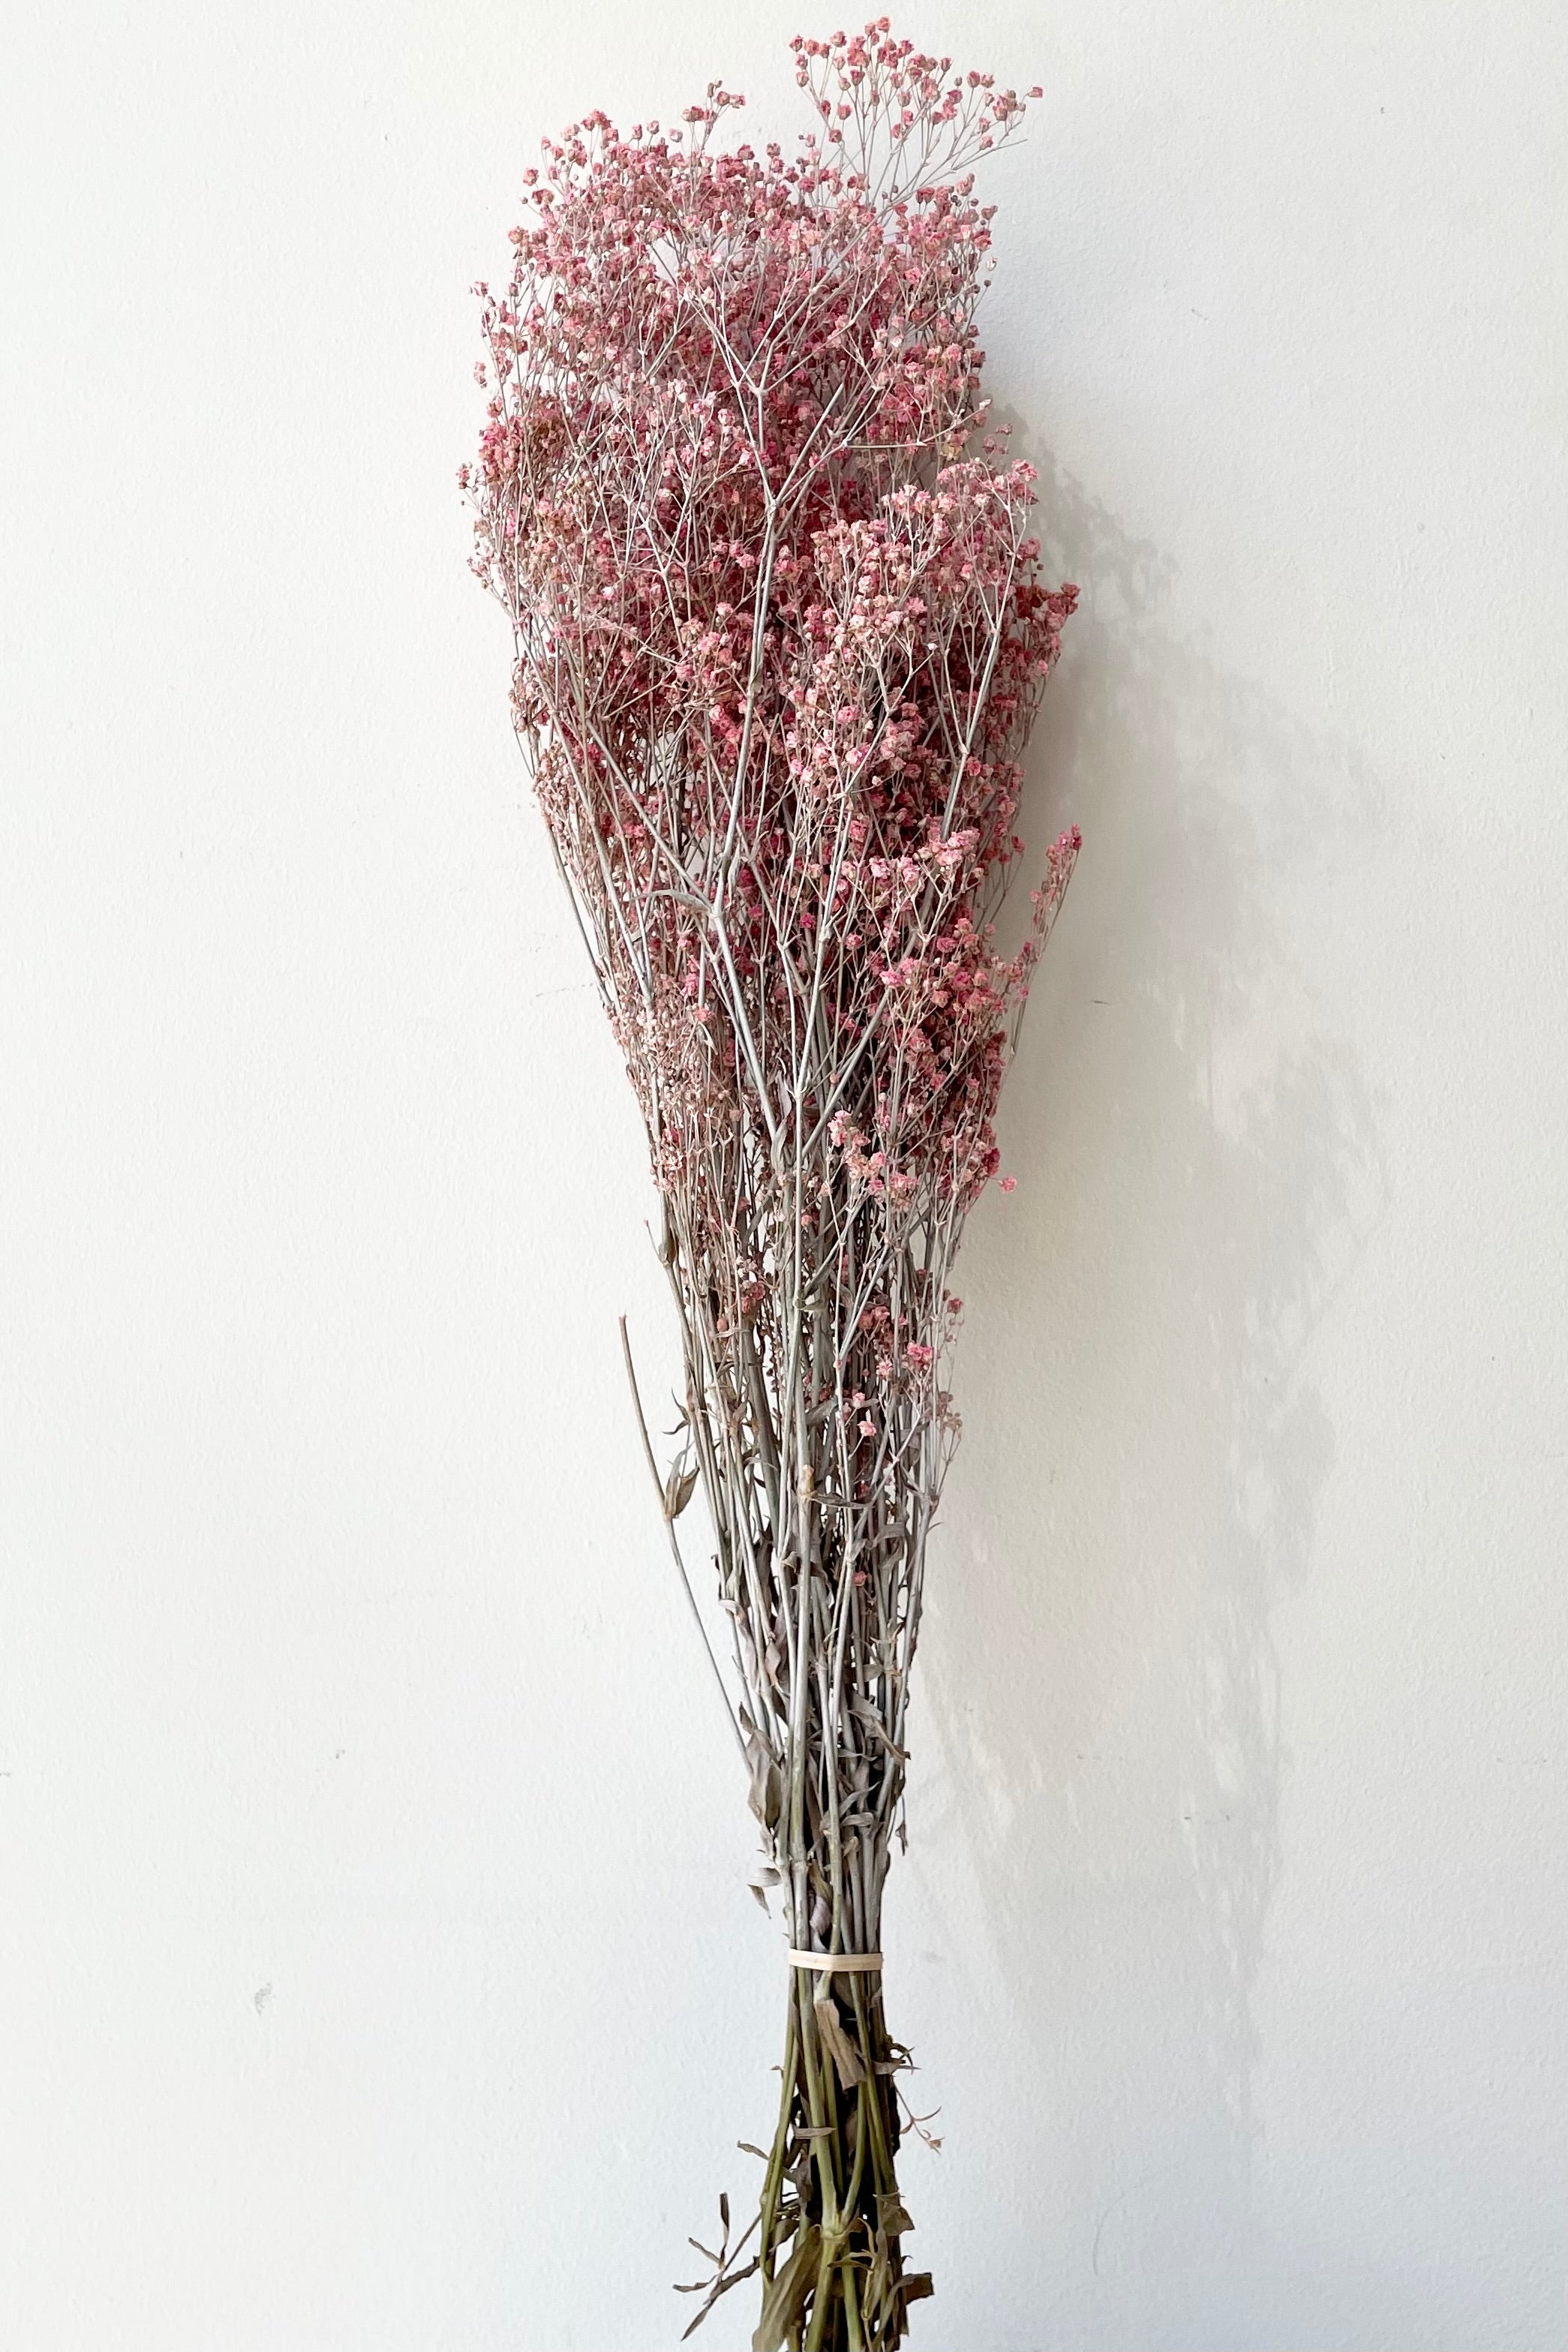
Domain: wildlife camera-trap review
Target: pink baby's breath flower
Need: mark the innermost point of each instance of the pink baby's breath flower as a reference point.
(779, 638)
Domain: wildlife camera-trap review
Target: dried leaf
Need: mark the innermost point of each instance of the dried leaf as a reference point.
(873, 1723)
(891, 2216)
(766, 1795)
(845, 2057)
(679, 1489)
(719, 2286)
(723, 2278)
(786, 2299)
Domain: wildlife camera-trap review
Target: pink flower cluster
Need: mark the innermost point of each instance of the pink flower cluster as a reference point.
(780, 641)
(780, 638)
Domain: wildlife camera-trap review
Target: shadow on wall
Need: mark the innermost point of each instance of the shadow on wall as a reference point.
(1100, 1763)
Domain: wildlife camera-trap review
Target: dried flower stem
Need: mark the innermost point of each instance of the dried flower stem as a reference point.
(779, 645)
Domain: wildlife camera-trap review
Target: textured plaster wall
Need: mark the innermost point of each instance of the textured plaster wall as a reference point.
(376, 1971)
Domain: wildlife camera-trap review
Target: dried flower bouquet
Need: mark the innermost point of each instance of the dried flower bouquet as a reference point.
(780, 641)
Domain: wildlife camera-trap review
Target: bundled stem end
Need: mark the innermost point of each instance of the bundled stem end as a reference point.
(832, 2218)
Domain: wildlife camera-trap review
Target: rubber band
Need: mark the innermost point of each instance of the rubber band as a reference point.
(837, 1963)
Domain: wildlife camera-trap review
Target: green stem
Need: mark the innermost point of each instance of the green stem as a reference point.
(831, 2170)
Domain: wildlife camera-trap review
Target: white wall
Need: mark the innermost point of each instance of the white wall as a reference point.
(376, 1967)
